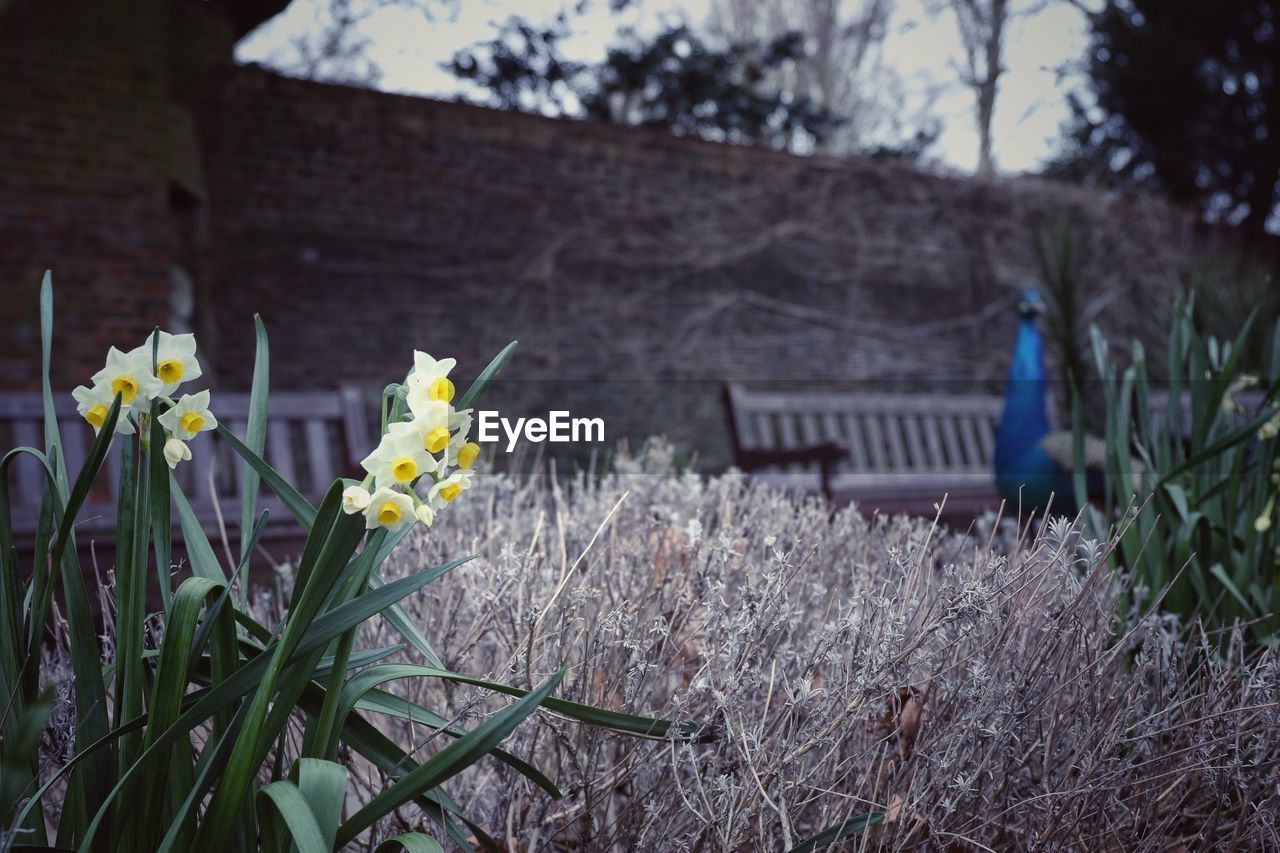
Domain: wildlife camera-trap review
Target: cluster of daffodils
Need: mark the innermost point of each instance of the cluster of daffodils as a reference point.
(424, 460)
(150, 372)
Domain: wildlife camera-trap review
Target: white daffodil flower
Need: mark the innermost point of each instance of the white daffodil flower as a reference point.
(450, 487)
(189, 416)
(431, 425)
(460, 423)
(400, 458)
(425, 515)
(461, 453)
(355, 499)
(129, 375)
(175, 359)
(431, 377)
(390, 509)
(94, 404)
(176, 451)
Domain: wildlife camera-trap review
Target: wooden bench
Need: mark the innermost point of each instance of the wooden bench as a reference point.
(888, 452)
(312, 437)
(892, 452)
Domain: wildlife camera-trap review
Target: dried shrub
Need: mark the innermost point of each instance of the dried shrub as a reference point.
(974, 691)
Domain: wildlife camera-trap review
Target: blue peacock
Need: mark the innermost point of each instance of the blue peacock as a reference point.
(1033, 461)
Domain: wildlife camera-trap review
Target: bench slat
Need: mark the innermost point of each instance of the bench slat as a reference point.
(764, 429)
(74, 446)
(355, 423)
(893, 430)
(876, 444)
(951, 443)
(810, 430)
(203, 452)
(318, 456)
(919, 449)
(969, 440)
(987, 437)
(933, 442)
(787, 437)
(280, 451)
(854, 441)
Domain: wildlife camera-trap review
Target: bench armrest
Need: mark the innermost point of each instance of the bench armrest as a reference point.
(826, 454)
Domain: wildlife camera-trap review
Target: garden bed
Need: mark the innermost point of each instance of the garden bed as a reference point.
(963, 692)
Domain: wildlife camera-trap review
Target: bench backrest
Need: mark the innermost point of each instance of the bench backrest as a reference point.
(893, 440)
(312, 437)
(889, 437)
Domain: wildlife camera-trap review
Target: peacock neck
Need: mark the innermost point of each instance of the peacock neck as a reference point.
(1025, 409)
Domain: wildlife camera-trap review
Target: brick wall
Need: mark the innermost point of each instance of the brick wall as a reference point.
(92, 144)
(638, 270)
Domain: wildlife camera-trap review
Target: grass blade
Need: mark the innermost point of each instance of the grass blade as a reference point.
(839, 832)
(615, 720)
(286, 801)
(368, 698)
(255, 433)
(453, 759)
(52, 440)
(323, 784)
(486, 377)
(410, 842)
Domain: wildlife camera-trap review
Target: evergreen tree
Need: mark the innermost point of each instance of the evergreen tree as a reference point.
(1185, 100)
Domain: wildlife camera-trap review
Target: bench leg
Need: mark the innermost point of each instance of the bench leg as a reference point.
(826, 469)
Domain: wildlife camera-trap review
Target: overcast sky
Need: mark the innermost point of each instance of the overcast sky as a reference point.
(408, 48)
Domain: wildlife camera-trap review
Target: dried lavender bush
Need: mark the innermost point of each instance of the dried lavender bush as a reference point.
(976, 695)
(970, 688)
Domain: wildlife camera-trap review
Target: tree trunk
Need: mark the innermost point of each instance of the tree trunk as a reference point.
(988, 85)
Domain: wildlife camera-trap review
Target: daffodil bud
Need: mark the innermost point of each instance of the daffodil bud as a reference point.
(175, 451)
(424, 514)
(354, 499)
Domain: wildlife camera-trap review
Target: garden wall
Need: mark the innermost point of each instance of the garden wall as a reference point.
(158, 180)
(361, 224)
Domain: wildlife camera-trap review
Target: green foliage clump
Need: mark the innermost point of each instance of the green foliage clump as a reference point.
(1203, 541)
(206, 728)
